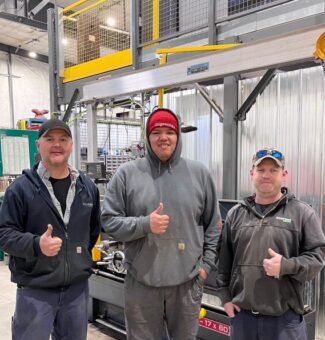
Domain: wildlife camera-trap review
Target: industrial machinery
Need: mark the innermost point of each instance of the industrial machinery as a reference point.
(113, 257)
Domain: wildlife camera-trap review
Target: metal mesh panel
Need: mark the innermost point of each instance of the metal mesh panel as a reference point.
(146, 16)
(113, 162)
(164, 18)
(99, 31)
(174, 17)
(112, 138)
(238, 6)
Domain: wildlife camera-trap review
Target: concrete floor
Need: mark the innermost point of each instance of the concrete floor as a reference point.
(7, 307)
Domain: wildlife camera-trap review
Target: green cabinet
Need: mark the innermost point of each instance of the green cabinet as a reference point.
(17, 150)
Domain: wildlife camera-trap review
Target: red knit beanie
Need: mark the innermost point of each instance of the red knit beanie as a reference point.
(162, 118)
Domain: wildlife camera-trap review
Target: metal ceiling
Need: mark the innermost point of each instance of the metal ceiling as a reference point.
(17, 33)
(23, 36)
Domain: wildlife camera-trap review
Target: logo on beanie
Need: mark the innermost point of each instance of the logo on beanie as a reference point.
(162, 118)
(172, 126)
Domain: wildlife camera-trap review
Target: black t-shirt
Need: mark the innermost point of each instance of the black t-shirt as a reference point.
(263, 209)
(61, 187)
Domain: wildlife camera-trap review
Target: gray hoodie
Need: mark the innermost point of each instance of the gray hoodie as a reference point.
(188, 193)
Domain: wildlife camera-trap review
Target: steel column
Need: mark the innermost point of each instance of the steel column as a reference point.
(11, 92)
(52, 60)
(75, 130)
(92, 132)
(212, 22)
(230, 136)
(135, 33)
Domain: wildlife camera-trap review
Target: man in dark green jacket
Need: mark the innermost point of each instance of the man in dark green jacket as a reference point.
(271, 244)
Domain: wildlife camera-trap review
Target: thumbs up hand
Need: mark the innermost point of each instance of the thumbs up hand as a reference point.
(50, 246)
(272, 266)
(158, 223)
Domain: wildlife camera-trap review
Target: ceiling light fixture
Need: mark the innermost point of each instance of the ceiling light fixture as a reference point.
(111, 21)
(32, 54)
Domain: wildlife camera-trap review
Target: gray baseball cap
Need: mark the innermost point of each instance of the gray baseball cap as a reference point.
(51, 124)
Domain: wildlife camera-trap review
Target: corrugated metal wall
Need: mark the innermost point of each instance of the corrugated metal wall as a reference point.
(205, 144)
(289, 115)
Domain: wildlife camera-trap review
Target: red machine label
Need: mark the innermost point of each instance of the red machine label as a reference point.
(215, 326)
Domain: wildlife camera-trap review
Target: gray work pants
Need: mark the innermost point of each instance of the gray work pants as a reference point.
(150, 310)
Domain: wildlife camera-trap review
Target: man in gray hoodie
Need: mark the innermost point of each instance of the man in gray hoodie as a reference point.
(271, 244)
(164, 208)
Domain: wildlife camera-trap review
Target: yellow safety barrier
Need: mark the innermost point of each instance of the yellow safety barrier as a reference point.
(96, 38)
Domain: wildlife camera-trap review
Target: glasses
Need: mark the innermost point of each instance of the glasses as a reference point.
(274, 153)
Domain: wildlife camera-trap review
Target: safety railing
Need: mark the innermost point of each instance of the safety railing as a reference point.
(96, 37)
(165, 19)
(97, 34)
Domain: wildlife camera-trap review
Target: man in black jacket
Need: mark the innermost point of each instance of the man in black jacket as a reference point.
(49, 222)
(271, 244)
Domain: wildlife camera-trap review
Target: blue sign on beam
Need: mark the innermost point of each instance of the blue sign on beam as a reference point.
(203, 67)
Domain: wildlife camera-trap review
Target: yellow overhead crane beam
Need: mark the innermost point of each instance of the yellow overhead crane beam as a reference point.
(185, 49)
(74, 5)
(87, 8)
(162, 53)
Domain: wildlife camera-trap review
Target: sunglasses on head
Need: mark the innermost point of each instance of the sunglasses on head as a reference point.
(274, 153)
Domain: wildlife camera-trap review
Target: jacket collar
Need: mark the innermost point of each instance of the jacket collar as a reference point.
(249, 201)
(43, 172)
(36, 179)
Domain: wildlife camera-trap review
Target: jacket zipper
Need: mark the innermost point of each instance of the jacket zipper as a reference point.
(67, 265)
(268, 213)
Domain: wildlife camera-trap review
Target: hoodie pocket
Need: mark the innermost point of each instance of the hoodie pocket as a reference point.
(166, 261)
(79, 260)
(37, 266)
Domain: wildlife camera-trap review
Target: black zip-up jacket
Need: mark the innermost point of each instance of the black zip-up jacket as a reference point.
(26, 211)
(291, 229)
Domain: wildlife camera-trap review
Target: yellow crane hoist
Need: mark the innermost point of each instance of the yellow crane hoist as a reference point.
(320, 47)
(319, 53)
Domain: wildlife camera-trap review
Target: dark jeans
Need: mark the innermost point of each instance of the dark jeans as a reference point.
(59, 312)
(248, 326)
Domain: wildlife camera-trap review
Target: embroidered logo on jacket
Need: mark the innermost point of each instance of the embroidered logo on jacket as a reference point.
(87, 204)
(283, 219)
